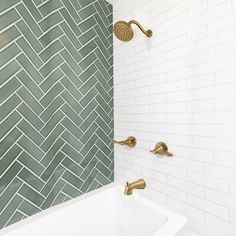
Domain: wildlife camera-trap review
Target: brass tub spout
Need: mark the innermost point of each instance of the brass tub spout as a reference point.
(139, 184)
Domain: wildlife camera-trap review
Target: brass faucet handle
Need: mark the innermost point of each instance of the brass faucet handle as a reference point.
(161, 149)
(130, 141)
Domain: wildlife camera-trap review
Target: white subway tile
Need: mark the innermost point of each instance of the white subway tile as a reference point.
(233, 216)
(209, 207)
(221, 198)
(168, 190)
(180, 87)
(227, 159)
(186, 209)
(186, 186)
(221, 225)
(208, 181)
(233, 189)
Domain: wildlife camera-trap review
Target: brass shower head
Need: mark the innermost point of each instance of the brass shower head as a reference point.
(124, 32)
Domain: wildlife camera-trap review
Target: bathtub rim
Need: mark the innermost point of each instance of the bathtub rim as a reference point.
(175, 221)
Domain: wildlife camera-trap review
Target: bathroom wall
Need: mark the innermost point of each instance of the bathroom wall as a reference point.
(56, 103)
(180, 87)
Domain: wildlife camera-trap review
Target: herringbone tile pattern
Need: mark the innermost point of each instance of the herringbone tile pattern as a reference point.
(56, 103)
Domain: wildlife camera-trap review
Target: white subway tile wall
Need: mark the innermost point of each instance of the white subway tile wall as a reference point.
(180, 87)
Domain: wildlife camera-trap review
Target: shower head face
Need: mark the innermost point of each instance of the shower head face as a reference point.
(123, 31)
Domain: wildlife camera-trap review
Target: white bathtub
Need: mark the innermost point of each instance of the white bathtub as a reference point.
(104, 212)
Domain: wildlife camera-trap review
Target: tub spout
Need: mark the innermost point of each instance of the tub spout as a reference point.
(139, 184)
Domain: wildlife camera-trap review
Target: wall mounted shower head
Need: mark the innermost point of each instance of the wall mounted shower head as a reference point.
(124, 32)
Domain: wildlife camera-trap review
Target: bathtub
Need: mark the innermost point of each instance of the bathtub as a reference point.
(103, 212)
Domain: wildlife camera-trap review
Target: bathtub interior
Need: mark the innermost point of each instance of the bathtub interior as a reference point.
(105, 213)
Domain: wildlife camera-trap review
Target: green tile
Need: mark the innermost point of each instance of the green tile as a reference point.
(51, 123)
(70, 21)
(71, 101)
(89, 169)
(86, 37)
(49, 6)
(9, 175)
(88, 60)
(89, 131)
(31, 195)
(70, 34)
(59, 199)
(69, 125)
(8, 123)
(50, 21)
(8, 36)
(8, 106)
(56, 96)
(70, 61)
(86, 99)
(29, 36)
(89, 108)
(29, 68)
(51, 65)
(71, 191)
(71, 75)
(30, 21)
(52, 180)
(31, 148)
(30, 132)
(88, 48)
(51, 94)
(51, 35)
(8, 54)
(87, 24)
(72, 88)
(30, 100)
(9, 157)
(72, 12)
(88, 85)
(7, 72)
(28, 208)
(9, 140)
(87, 12)
(51, 79)
(55, 191)
(72, 179)
(8, 18)
(49, 141)
(89, 181)
(15, 218)
(30, 116)
(72, 153)
(88, 73)
(30, 84)
(71, 48)
(72, 114)
(84, 3)
(30, 53)
(31, 179)
(70, 139)
(89, 156)
(7, 213)
(51, 50)
(101, 178)
(52, 166)
(8, 4)
(32, 9)
(52, 152)
(51, 109)
(72, 166)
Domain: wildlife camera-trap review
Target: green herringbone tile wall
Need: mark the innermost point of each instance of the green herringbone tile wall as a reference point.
(56, 103)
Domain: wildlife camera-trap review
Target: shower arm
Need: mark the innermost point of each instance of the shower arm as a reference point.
(148, 33)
